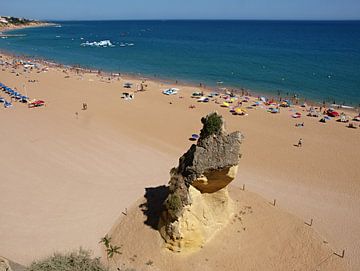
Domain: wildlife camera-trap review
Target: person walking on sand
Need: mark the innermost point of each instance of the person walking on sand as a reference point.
(300, 142)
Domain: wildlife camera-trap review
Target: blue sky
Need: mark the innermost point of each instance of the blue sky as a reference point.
(182, 9)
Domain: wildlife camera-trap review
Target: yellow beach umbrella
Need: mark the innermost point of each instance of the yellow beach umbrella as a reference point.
(225, 104)
(239, 111)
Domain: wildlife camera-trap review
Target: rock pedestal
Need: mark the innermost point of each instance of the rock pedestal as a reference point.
(198, 204)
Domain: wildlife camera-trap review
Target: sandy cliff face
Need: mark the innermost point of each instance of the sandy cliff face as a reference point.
(199, 221)
(198, 204)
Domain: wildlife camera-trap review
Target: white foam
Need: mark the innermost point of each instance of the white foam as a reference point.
(102, 43)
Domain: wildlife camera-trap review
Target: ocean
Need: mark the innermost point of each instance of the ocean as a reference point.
(317, 60)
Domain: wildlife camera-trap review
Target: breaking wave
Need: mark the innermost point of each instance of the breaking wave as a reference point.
(102, 43)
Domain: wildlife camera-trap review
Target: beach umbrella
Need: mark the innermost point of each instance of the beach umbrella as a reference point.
(196, 94)
(195, 136)
(225, 104)
(296, 115)
(332, 113)
(239, 111)
(7, 104)
(273, 110)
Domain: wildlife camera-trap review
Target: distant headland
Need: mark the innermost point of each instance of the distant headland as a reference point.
(11, 23)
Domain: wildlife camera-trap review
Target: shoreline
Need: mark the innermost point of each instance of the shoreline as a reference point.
(6, 29)
(172, 81)
(206, 87)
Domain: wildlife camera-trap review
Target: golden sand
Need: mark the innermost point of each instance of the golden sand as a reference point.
(66, 177)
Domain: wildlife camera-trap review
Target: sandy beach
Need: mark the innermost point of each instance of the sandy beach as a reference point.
(4, 29)
(67, 173)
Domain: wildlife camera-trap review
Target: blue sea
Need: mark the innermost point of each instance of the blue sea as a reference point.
(318, 60)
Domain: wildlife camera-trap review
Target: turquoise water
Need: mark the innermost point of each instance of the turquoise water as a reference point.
(316, 60)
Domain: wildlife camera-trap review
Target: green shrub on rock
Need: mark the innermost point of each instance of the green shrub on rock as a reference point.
(212, 125)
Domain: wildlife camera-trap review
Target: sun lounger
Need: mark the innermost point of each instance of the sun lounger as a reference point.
(36, 103)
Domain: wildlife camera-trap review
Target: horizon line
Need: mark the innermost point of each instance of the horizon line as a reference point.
(288, 20)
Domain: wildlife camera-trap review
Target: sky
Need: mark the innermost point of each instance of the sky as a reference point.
(182, 9)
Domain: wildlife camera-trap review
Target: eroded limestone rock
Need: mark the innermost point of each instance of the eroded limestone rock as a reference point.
(4, 264)
(198, 204)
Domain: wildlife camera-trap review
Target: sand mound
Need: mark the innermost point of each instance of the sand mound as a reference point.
(259, 237)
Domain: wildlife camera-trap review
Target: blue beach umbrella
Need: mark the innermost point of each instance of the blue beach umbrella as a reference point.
(195, 136)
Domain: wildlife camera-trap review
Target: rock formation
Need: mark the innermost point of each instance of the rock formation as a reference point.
(8, 265)
(198, 204)
(4, 264)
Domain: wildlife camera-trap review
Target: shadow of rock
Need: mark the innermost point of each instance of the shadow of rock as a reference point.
(152, 208)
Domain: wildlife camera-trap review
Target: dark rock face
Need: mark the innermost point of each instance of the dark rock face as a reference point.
(208, 166)
(212, 153)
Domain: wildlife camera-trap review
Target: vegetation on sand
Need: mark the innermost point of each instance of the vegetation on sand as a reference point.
(75, 261)
(110, 249)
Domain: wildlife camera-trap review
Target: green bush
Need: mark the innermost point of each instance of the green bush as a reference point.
(212, 124)
(76, 261)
